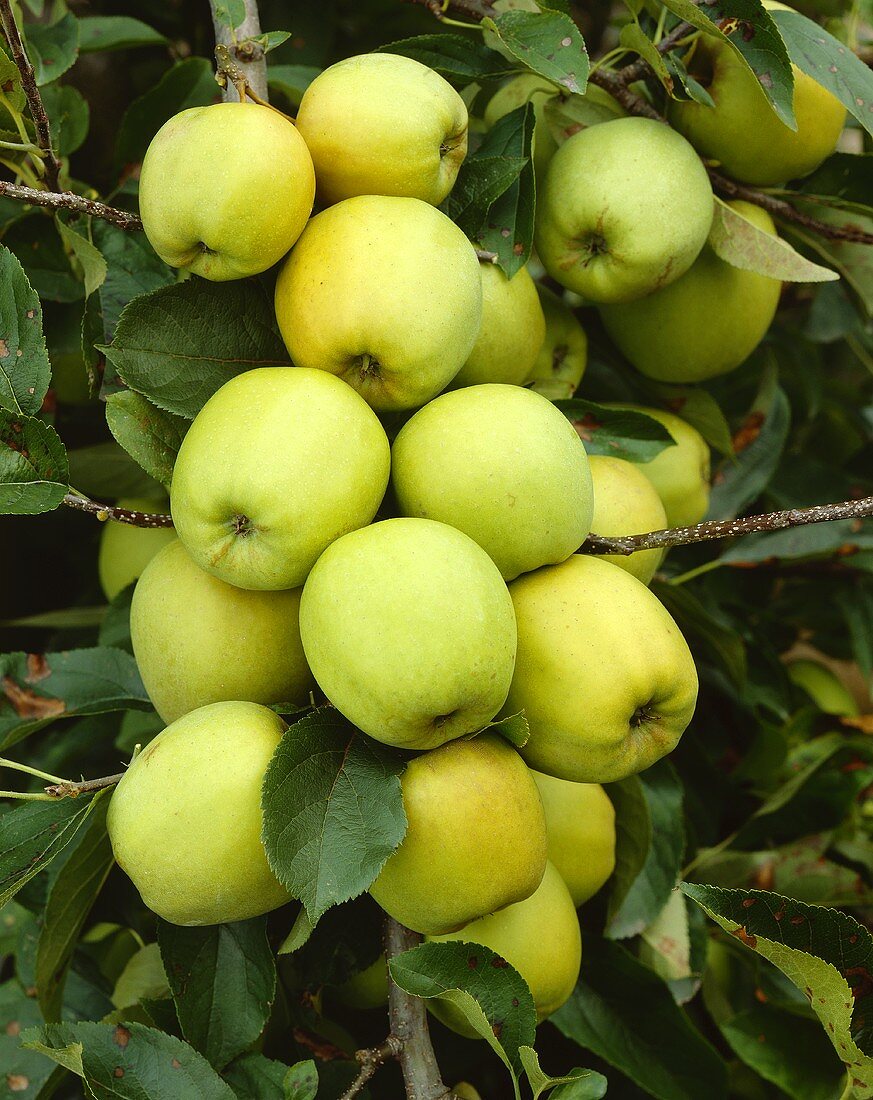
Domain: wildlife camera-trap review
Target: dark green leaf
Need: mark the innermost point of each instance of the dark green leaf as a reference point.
(508, 227)
(24, 363)
(89, 258)
(578, 1084)
(25, 1073)
(147, 433)
(837, 537)
(481, 181)
(548, 42)
(69, 115)
(34, 476)
(71, 896)
(291, 81)
(459, 59)
(189, 83)
(134, 269)
(621, 433)
(846, 178)
(625, 1014)
(333, 812)
(253, 1075)
(223, 979)
(115, 32)
(106, 471)
(229, 12)
(301, 1081)
(178, 345)
(705, 628)
(36, 243)
(52, 47)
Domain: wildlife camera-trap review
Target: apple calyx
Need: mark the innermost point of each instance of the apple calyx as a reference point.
(585, 249)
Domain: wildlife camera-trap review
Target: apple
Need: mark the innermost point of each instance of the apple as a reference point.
(563, 354)
(626, 503)
(580, 826)
(764, 152)
(626, 208)
(704, 324)
(504, 466)
(603, 674)
(384, 292)
(225, 190)
(476, 840)
(197, 640)
(512, 331)
(539, 936)
(126, 550)
(409, 631)
(382, 124)
(366, 989)
(680, 473)
(822, 685)
(277, 464)
(185, 819)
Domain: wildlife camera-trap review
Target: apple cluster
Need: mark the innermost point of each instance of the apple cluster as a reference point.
(429, 586)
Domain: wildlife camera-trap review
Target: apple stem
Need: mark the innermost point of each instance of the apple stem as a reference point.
(241, 52)
(120, 515)
(86, 786)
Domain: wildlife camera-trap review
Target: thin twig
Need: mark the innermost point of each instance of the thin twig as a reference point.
(51, 163)
(66, 200)
(73, 790)
(370, 1060)
(120, 515)
(728, 528)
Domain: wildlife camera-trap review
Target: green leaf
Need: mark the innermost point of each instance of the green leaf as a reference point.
(827, 954)
(24, 362)
(36, 243)
(270, 40)
(492, 996)
(229, 12)
(701, 410)
(742, 244)
(134, 269)
(253, 1075)
(548, 43)
(582, 1084)
(26, 1074)
(458, 59)
(32, 834)
(130, 1061)
(301, 1081)
(189, 83)
(36, 689)
(90, 259)
(301, 930)
(626, 1015)
(621, 433)
(143, 979)
(223, 979)
(70, 899)
(34, 476)
(508, 226)
(291, 81)
(105, 470)
(10, 81)
(515, 728)
(481, 181)
(845, 179)
(633, 37)
(69, 115)
(829, 62)
(115, 32)
(566, 115)
(52, 47)
(178, 345)
(705, 628)
(843, 537)
(635, 902)
(147, 433)
(333, 811)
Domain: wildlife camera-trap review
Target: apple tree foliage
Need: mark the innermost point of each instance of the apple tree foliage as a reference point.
(729, 955)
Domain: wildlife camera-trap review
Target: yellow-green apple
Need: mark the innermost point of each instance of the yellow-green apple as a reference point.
(384, 292)
(626, 208)
(198, 640)
(704, 324)
(276, 465)
(580, 826)
(764, 152)
(504, 466)
(382, 124)
(822, 685)
(626, 503)
(366, 989)
(463, 1090)
(603, 674)
(409, 631)
(563, 355)
(476, 839)
(512, 331)
(539, 936)
(680, 473)
(225, 190)
(185, 819)
(126, 550)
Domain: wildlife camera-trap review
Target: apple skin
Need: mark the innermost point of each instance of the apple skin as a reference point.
(276, 465)
(382, 124)
(384, 292)
(825, 689)
(704, 324)
(767, 152)
(603, 674)
(125, 551)
(563, 355)
(409, 631)
(626, 503)
(539, 936)
(512, 331)
(626, 208)
(476, 840)
(679, 473)
(197, 640)
(580, 826)
(366, 989)
(197, 182)
(185, 819)
(504, 466)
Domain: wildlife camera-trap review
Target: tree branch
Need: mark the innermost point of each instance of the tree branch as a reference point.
(728, 528)
(120, 515)
(247, 55)
(51, 163)
(370, 1060)
(73, 790)
(67, 200)
(408, 1017)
